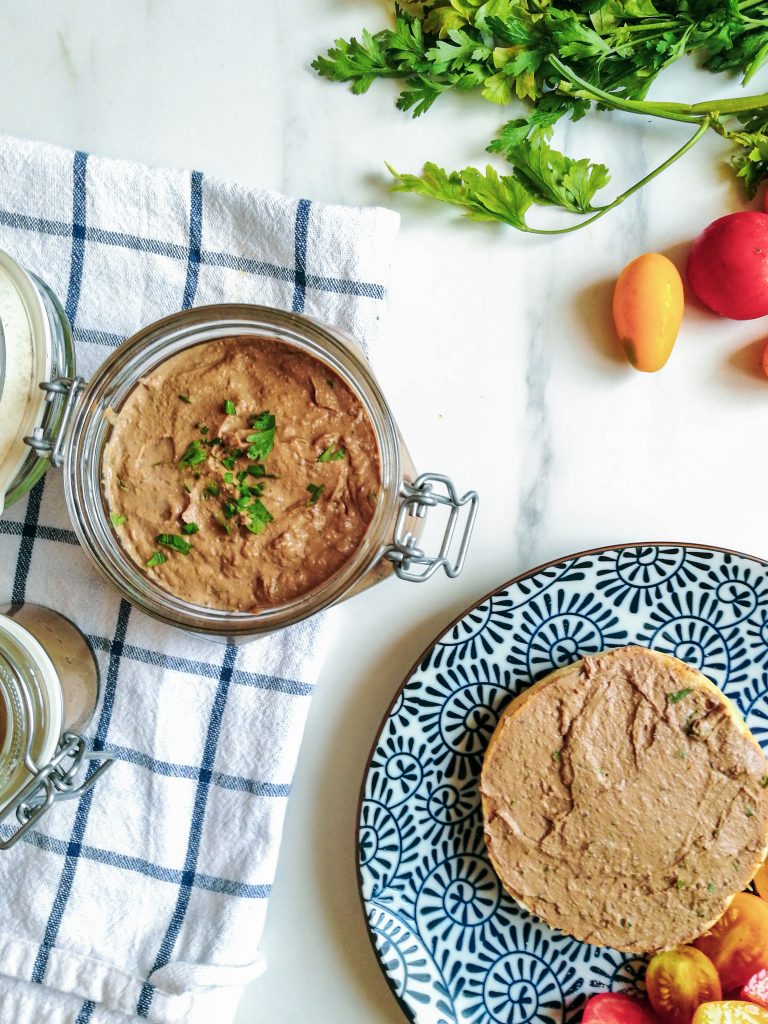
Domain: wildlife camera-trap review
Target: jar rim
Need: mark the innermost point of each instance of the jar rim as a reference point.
(116, 379)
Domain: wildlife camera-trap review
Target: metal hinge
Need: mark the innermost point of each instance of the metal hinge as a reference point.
(49, 443)
(419, 497)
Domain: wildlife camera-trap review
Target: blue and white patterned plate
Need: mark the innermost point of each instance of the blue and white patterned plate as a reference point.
(453, 946)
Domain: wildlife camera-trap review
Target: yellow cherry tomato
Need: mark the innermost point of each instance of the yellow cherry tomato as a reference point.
(738, 943)
(648, 310)
(730, 1011)
(678, 981)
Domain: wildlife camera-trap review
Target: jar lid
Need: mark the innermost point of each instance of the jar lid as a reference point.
(25, 362)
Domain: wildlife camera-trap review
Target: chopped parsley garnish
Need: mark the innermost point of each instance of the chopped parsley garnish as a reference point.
(710, 887)
(262, 441)
(749, 811)
(331, 455)
(230, 408)
(680, 883)
(212, 489)
(764, 782)
(194, 455)
(188, 528)
(187, 488)
(157, 559)
(229, 508)
(203, 431)
(185, 398)
(258, 470)
(259, 517)
(675, 698)
(170, 540)
(681, 754)
(315, 491)
(212, 442)
(229, 478)
(555, 755)
(116, 519)
(224, 525)
(229, 462)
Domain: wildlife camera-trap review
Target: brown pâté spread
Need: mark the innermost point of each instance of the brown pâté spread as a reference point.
(625, 800)
(241, 473)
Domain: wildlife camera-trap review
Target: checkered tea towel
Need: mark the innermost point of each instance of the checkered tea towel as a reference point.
(146, 898)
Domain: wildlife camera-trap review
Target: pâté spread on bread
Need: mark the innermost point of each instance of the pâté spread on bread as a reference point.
(625, 800)
(241, 473)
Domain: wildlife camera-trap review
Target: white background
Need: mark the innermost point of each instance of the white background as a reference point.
(497, 356)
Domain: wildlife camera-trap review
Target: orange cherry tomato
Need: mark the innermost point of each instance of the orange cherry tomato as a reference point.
(648, 310)
(738, 943)
(756, 989)
(760, 880)
(731, 1011)
(678, 981)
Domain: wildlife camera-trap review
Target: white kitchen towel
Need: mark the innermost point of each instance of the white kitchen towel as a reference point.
(146, 898)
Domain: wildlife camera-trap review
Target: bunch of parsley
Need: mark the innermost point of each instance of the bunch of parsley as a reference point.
(562, 59)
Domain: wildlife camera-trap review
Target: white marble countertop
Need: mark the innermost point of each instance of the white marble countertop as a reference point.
(497, 356)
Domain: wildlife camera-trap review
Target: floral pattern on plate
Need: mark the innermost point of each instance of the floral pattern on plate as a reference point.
(455, 948)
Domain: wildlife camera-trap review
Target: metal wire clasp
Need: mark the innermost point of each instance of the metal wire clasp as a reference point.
(56, 781)
(49, 443)
(419, 497)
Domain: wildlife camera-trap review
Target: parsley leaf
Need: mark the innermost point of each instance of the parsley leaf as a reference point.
(175, 543)
(259, 517)
(156, 559)
(315, 491)
(185, 398)
(331, 455)
(189, 528)
(262, 441)
(678, 695)
(194, 455)
(116, 519)
(230, 408)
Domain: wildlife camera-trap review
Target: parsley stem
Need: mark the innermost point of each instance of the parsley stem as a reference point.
(665, 110)
(701, 130)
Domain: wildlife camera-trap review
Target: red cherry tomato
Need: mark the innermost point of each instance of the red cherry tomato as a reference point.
(617, 1008)
(756, 989)
(738, 943)
(678, 981)
(728, 265)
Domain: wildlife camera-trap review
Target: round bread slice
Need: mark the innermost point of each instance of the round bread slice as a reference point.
(625, 801)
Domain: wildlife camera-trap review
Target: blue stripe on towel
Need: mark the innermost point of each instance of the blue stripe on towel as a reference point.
(74, 847)
(196, 829)
(173, 876)
(301, 231)
(207, 257)
(86, 1010)
(195, 238)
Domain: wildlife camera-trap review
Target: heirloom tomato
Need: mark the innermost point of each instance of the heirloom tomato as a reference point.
(730, 1011)
(617, 1008)
(738, 943)
(678, 981)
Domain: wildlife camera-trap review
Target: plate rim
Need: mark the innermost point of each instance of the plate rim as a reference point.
(466, 611)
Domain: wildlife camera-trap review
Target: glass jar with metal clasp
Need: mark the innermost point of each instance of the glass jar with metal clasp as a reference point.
(49, 687)
(67, 423)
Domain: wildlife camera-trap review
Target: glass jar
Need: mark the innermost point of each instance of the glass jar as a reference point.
(49, 687)
(35, 349)
(390, 543)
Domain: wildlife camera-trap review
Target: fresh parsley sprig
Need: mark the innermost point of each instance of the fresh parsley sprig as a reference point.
(563, 60)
